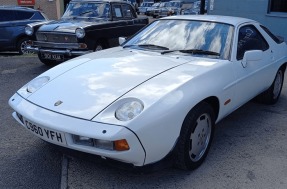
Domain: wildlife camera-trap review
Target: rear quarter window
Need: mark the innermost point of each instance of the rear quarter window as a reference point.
(275, 38)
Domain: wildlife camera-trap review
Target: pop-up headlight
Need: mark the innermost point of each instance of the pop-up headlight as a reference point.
(37, 83)
(129, 110)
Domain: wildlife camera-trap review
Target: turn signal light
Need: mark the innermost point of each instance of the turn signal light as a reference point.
(82, 46)
(121, 145)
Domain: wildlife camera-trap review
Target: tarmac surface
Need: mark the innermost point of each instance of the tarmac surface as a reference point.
(249, 149)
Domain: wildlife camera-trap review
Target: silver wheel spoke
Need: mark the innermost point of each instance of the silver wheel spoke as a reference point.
(199, 139)
(98, 48)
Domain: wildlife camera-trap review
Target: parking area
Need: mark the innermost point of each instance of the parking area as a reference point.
(249, 149)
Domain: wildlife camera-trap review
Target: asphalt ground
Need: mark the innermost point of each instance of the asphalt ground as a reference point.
(249, 149)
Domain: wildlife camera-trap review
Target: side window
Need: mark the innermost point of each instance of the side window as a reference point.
(7, 15)
(249, 38)
(117, 12)
(23, 15)
(127, 11)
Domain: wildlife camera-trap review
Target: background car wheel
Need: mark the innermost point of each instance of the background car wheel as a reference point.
(272, 94)
(46, 61)
(195, 137)
(100, 45)
(22, 44)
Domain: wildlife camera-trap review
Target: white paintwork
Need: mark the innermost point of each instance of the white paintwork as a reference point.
(93, 86)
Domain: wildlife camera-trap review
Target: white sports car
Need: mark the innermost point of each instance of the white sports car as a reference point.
(157, 95)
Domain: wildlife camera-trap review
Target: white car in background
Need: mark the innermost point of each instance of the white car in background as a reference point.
(159, 94)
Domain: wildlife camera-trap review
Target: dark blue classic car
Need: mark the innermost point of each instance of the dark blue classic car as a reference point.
(86, 26)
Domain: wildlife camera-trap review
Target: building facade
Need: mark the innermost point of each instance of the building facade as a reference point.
(271, 13)
(54, 9)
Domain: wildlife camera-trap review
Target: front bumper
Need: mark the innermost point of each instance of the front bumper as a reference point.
(67, 49)
(70, 126)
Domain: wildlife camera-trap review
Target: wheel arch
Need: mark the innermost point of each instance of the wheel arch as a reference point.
(20, 37)
(283, 66)
(213, 101)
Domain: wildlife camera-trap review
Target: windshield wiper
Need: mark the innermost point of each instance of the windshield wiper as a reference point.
(147, 46)
(153, 46)
(193, 51)
(85, 12)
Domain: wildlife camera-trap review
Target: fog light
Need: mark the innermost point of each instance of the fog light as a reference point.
(104, 144)
(82, 140)
(121, 145)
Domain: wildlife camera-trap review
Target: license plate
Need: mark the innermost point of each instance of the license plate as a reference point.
(52, 56)
(46, 134)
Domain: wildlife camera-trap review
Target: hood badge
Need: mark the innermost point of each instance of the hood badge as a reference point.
(59, 102)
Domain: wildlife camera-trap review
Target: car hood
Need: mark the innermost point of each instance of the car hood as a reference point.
(88, 88)
(70, 25)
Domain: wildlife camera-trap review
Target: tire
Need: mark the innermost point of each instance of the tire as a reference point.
(100, 45)
(21, 44)
(195, 137)
(46, 61)
(272, 94)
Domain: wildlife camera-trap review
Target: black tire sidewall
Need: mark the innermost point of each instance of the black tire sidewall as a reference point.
(272, 99)
(183, 160)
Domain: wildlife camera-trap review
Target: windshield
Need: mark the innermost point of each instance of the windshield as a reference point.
(173, 35)
(146, 4)
(155, 5)
(166, 4)
(174, 4)
(88, 9)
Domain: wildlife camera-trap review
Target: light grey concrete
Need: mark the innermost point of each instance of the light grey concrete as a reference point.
(25, 160)
(249, 151)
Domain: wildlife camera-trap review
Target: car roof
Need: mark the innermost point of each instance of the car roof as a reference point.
(13, 7)
(215, 18)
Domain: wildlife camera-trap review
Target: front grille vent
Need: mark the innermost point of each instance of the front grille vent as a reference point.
(57, 38)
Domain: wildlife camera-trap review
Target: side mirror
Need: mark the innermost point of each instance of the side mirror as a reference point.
(253, 55)
(122, 40)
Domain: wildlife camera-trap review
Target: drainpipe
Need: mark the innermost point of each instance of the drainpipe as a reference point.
(202, 6)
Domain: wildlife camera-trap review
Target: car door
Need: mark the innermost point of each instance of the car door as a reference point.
(6, 27)
(253, 75)
(13, 27)
(123, 17)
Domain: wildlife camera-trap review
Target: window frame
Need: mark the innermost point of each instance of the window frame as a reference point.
(275, 13)
(258, 33)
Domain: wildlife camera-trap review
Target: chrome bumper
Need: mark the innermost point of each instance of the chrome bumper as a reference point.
(66, 52)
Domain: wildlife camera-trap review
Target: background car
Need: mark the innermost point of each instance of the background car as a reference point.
(156, 11)
(195, 9)
(86, 26)
(159, 94)
(173, 8)
(150, 10)
(144, 6)
(13, 21)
